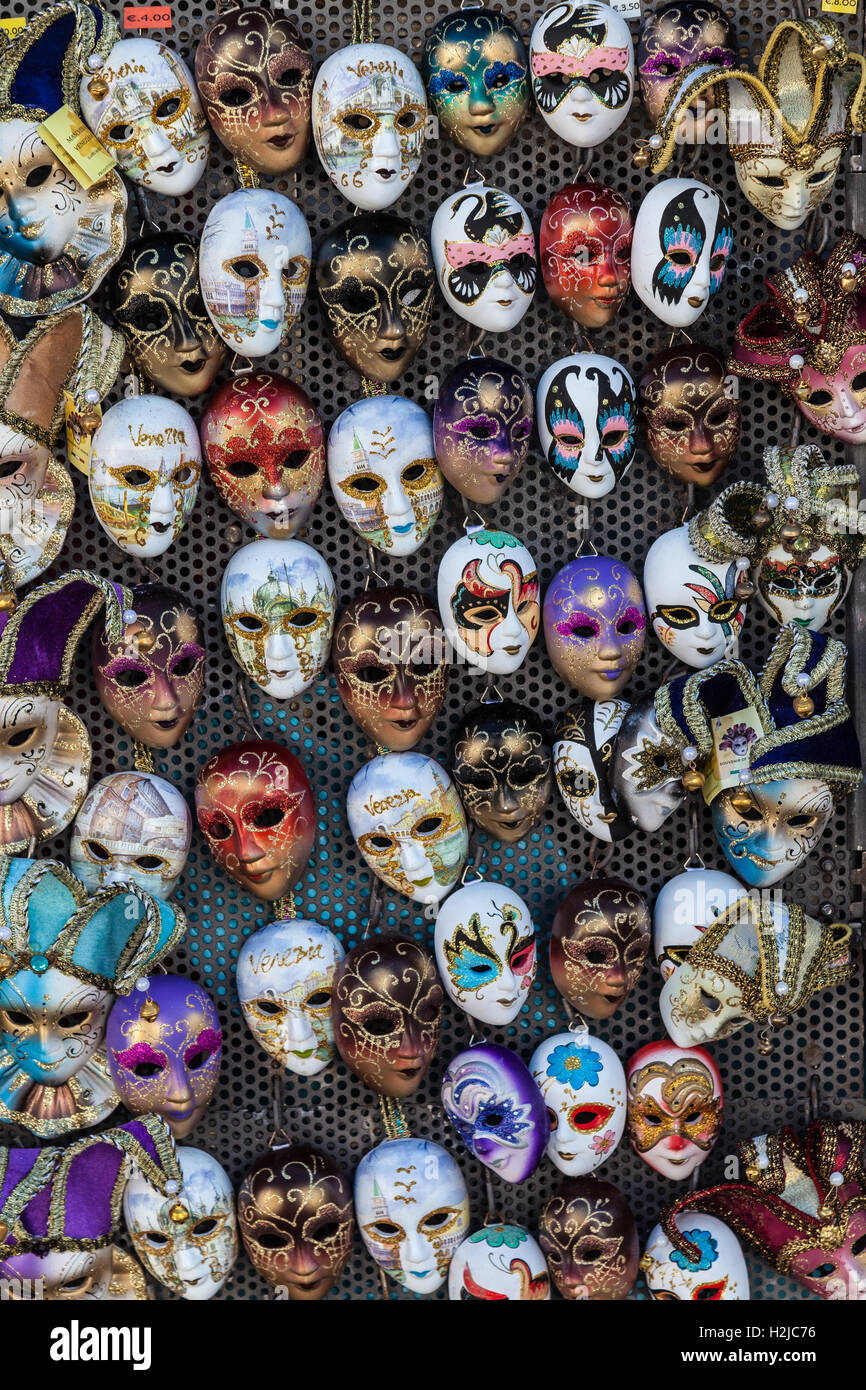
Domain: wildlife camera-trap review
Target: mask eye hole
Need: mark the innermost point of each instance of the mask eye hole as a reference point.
(271, 1242)
(387, 1229)
(135, 477)
(414, 472)
(710, 1002)
(155, 1239)
(859, 1246)
(197, 1059)
(19, 738)
(218, 828)
(144, 1070)
(130, 677)
(304, 617)
(859, 382)
(169, 107)
(358, 121)
(822, 1271)
(681, 258)
(205, 1227)
(119, 134)
(326, 1231)
(319, 999)
(372, 675)
(149, 862)
(74, 1019)
(38, 176)
(268, 817)
(289, 77)
(184, 667)
(800, 822)
(9, 467)
(365, 483)
(296, 459)
(270, 1008)
(71, 1286)
(693, 1117)
(380, 1025)
(96, 851)
(247, 270)
(248, 622)
(408, 120)
(17, 1018)
(235, 96)
(241, 468)
(437, 1219)
(770, 181)
(428, 826)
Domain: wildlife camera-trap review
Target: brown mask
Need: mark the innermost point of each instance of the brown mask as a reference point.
(503, 766)
(481, 427)
(598, 944)
(589, 1239)
(386, 1007)
(254, 73)
(390, 658)
(296, 1220)
(692, 419)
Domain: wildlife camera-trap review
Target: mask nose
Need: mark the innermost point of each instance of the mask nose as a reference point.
(699, 440)
(297, 1026)
(413, 860)
(404, 692)
(274, 491)
(607, 271)
(481, 103)
(164, 704)
(154, 143)
(390, 325)
(385, 145)
(249, 849)
(396, 504)
(188, 1259)
(676, 1144)
(503, 280)
(279, 648)
(848, 405)
(162, 502)
(184, 339)
(21, 208)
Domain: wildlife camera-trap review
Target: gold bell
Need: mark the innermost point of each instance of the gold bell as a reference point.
(789, 532)
(8, 603)
(88, 421)
(802, 392)
(144, 641)
(804, 705)
(848, 283)
(740, 799)
(765, 1044)
(149, 1010)
(744, 588)
(640, 158)
(777, 1020)
(179, 1213)
(6, 962)
(693, 780)
(818, 51)
(97, 87)
(4, 1230)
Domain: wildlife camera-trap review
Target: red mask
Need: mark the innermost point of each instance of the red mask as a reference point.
(585, 242)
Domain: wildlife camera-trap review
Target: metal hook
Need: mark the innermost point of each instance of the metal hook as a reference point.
(374, 909)
(474, 338)
(690, 504)
(599, 858)
(243, 696)
(576, 1022)
(490, 695)
(471, 176)
(245, 365)
(372, 572)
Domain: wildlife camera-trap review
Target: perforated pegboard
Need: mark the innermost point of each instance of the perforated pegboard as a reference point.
(336, 1112)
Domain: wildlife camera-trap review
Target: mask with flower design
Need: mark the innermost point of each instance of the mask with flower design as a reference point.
(187, 1240)
(499, 1262)
(587, 422)
(488, 593)
(285, 979)
(683, 239)
(583, 1085)
(715, 1272)
(486, 951)
(598, 944)
(595, 624)
(497, 1110)
(674, 1107)
(589, 1238)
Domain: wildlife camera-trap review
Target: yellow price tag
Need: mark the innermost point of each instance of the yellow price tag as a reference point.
(76, 147)
(78, 444)
(839, 6)
(13, 25)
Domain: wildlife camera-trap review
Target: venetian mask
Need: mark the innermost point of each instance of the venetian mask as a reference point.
(497, 1110)
(133, 827)
(583, 744)
(683, 236)
(106, 1275)
(587, 421)
(264, 445)
(406, 818)
(484, 253)
(383, 472)
(369, 122)
(476, 74)
(481, 427)
(255, 268)
(598, 944)
(594, 625)
(412, 1208)
(692, 601)
(52, 1027)
(391, 665)
(768, 839)
(582, 61)
(589, 1238)
(44, 769)
(296, 1220)
(499, 1262)
(150, 118)
(802, 589)
(720, 1273)
(674, 1107)
(672, 39)
(647, 776)
(583, 1085)
(585, 245)
(279, 603)
(255, 808)
(684, 908)
(386, 1008)
(691, 411)
(501, 760)
(834, 399)
(155, 298)
(145, 467)
(284, 976)
(151, 681)
(188, 1241)
(254, 73)
(164, 1050)
(486, 951)
(488, 593)
(375, 279)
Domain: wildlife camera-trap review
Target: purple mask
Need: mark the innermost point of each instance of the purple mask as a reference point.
(492, 1101)
(594, 625)
(481, 427)
(164, 1048)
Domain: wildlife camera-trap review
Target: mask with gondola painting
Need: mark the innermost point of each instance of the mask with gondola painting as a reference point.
(582, 63)
(585, 245)
(683, 238)
(285, 976)
(482, 424)
(132, 827)
(476, 70)
(691, 413)
(488, 592)
(587, 421)
(484, 252)
(486, 951)
(501, 762)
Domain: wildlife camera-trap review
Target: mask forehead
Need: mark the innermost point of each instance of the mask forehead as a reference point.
(132, 826)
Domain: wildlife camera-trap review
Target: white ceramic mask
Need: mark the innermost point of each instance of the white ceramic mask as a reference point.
(285, 973)
(254, 266)
(44, 768)
(684, 908)
(484, 252)
(583, 1085)
(683, 236)
(583, 763)
(771, 838)
(485, 948)
(499, 1262)
(279, 603)
(803, 591)
(784, 193)
(188, 1240)
(691, 601)
(383, 472)
(488, 595)
(720, 1274)
(646, 779)
(586, 406)
(133, 827)
(369, 122)
(412, 1210)
(144, 473)
(582, 61)
(674, 1107)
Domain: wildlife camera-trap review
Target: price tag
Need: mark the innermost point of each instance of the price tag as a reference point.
(149, 17)
(76, 147)
(78, 444)
(839, 6)
(13, 25)
(629, 9)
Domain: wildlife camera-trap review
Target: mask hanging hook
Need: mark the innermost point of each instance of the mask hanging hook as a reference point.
(599, 858)
(374, 909)
(247, 714)
(370, 566)
(492, 1216)
(490, 694)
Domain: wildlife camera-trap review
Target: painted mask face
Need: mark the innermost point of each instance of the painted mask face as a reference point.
(502, 763)
(255, 268)
(187, 1241)
(583, 1085)
(51, 1027)
(144, 473)
(719, 1275)
(646, 778)
(255, 808)
(674, 37)
(770, 839)
(836, 401)
(105, 1275)
(598, 944)
(499, 1262)
(684, 908)
(152, 680)
(391, 665)
(265, 447)
(285, 975)
(481, 428)
(587, 421)
(594, 625)
(582, 62)
(375, 280)
(413, 1210)
(387, 1012)
(150, 119)
(585, 245)
(44, 769)
(691, 413)
(279, 603)
(496, 1108)
(691, 601)
(683, 236)
(133, 827)
(477, 79)
(784, 193)
(486, 951)
(484, 253)
(406, 818)
(588, 1235)
(383, 472)
(804, 590)
(583, 744)
(164, 1051)
(488, 600)
(254, 73)
(296, 1220)
(674, 1107)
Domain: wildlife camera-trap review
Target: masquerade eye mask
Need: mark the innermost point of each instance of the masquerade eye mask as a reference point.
(484, 252)
(501, 762)
(485, 950)
(475, 71)
(582, 62)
